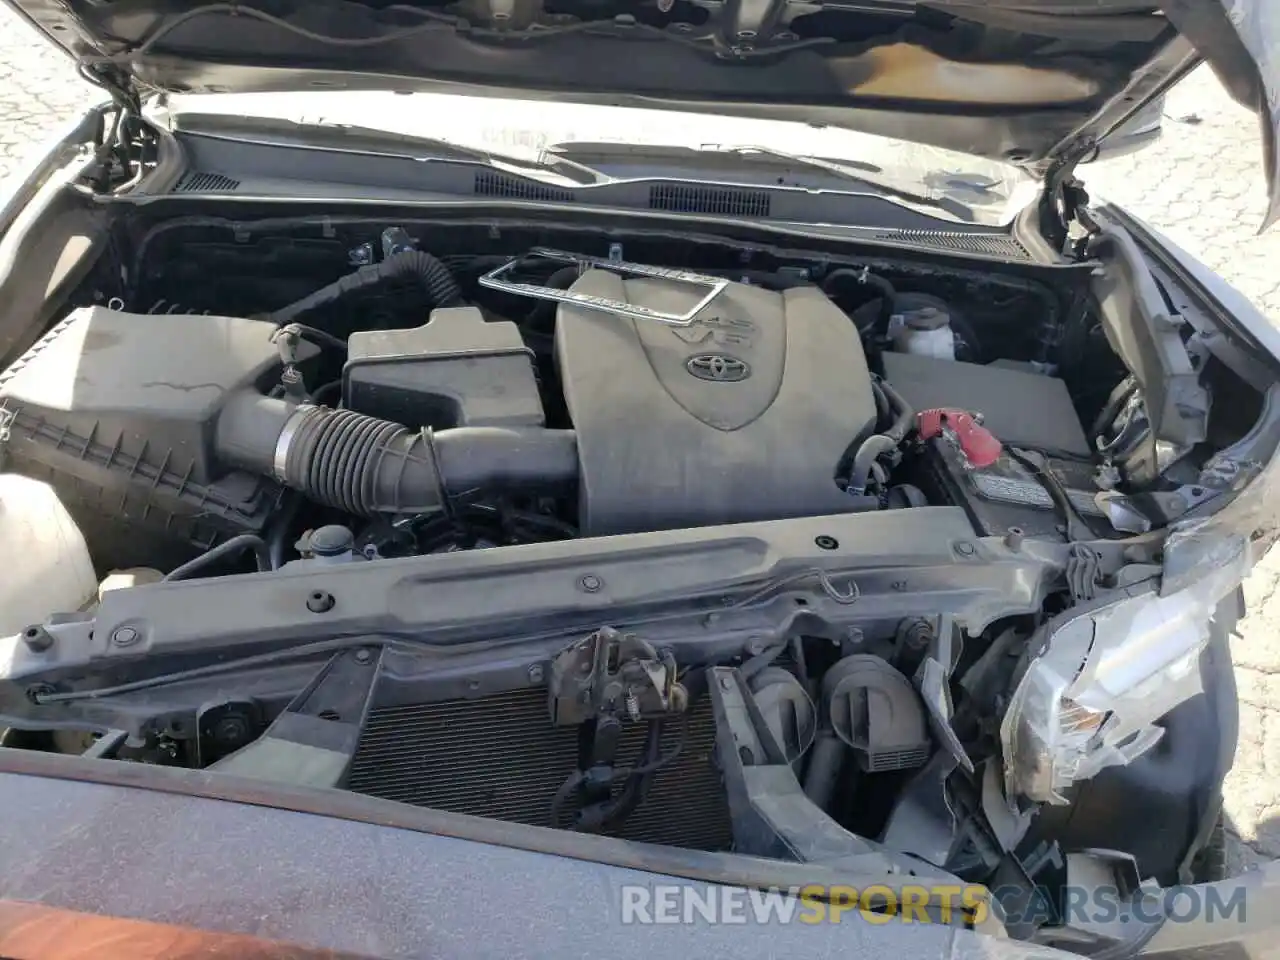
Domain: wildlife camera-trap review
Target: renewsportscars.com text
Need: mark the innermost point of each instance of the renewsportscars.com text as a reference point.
(938, 903)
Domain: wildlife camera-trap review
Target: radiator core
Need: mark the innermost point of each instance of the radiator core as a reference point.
(499, 756)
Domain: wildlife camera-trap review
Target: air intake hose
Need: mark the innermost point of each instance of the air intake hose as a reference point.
(366, 466)
(426, 269)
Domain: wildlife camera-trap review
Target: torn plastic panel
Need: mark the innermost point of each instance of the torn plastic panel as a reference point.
(1225, 538)
(1092, 697)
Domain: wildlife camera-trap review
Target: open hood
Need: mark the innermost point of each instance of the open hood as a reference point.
(1035, 82)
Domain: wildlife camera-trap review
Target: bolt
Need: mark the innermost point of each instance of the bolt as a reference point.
(318, 601)
(726, 683)
(590, 583)
(755, 646)
(37, 639)
(363, 655)
(854, 635)
(473, 684)
(825, 542)
(965, 548)
(535, 673)
(125, 636)
(230, 730)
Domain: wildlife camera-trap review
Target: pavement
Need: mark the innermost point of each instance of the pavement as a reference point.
(1200, 183)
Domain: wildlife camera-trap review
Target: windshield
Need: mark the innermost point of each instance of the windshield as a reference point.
(707, 146)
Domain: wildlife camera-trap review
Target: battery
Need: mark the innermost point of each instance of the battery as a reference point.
(1006, 494)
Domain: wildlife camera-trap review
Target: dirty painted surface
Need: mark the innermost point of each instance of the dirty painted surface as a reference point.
(1201, 184)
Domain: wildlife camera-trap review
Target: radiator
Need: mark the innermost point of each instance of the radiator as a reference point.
(499, 756)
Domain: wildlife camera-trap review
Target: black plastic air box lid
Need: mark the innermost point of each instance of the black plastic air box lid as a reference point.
(456, 370)
(148, 387)
(1021, 408)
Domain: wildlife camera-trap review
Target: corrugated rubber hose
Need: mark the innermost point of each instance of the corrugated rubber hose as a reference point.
(365, 465)
(434, 276)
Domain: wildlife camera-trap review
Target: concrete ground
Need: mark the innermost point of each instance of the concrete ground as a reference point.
(1201, 184)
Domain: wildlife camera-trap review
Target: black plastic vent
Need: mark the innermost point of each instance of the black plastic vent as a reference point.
(727, 201)
(197, 181)
(986, 244)
(490, 184)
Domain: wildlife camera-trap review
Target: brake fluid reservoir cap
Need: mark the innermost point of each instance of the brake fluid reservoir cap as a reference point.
(333, 540)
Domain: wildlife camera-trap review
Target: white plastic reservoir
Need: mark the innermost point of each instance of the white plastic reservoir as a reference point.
(44, 563)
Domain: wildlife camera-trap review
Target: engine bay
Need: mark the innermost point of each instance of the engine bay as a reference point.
(785, 526)
(169, 427)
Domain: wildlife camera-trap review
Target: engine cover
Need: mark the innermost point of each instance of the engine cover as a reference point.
(741, 416)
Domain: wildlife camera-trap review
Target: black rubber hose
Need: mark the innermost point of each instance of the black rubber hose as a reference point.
(905, 420)
(278, 539)
(434, 276)
(244, 541)
(366, 466)
(883, 287)
(968, 335)
(883, 412)
(870, 450)
(1120, 395)
(826, 761)
(544, 310)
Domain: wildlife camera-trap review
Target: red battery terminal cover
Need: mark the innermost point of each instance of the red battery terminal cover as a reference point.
(976, 443)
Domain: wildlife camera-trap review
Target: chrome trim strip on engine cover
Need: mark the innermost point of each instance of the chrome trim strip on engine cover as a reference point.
(495, 280)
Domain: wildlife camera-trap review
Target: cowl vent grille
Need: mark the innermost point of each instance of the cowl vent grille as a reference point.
(726, 201)
(489, 184)
(197, 181)
(987, 244)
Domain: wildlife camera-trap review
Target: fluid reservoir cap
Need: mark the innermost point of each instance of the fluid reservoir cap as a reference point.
(333, 540)
(926, 318)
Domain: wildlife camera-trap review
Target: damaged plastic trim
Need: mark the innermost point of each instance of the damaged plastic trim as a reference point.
(1091, 698)
(1242, 527)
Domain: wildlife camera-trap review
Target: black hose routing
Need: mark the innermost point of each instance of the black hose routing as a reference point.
(861, 275)
(365, 465)
(434, 276)
(246, 541)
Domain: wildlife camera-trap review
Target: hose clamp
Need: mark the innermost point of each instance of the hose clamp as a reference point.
(290, 429)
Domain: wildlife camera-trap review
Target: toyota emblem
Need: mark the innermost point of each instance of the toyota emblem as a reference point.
(719, 367)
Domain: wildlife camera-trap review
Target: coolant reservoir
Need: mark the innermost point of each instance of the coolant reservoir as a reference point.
(44, 563)
(921, 325)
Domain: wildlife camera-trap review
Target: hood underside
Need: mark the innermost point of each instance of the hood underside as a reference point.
(1034, 82)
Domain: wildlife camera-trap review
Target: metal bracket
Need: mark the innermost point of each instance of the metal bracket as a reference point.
(313, 741)
(496, 280)
(748, 20)
(610, 674)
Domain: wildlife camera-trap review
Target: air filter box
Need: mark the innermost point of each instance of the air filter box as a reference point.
(117, 411)
(457, 370)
